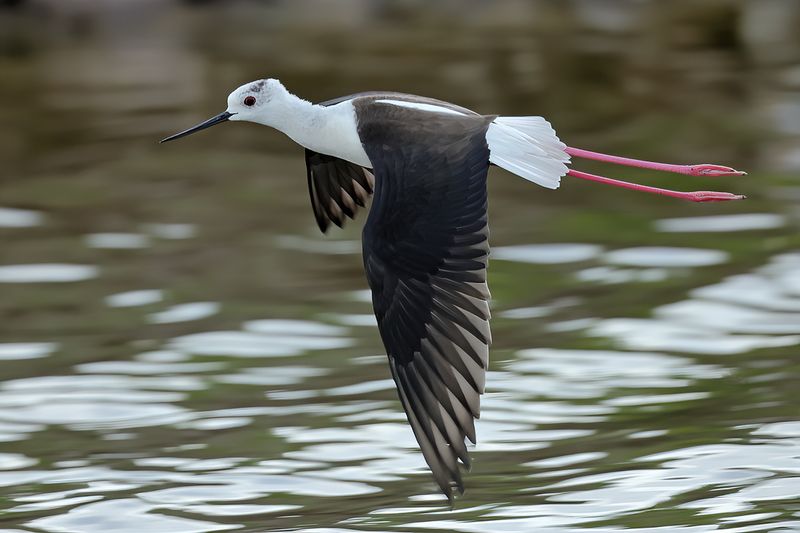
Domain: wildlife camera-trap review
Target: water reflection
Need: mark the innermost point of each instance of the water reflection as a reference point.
(652, 256)
(612, 275)
(264, 338)
(92, 402)
(171, 231)
(722, 223)
(547, 253)
(119, 241)
(128, 514)
(19, 218)
(184, 313)
(722, 318)
(47, 273)
(134, 298)
(26, 350)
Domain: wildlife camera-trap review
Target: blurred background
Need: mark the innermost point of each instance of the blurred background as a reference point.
(182, 351)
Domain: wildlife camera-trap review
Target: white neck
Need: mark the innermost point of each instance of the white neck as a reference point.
(327, 130)
(291, 115)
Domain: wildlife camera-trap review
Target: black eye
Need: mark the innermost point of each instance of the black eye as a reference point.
(250, 100)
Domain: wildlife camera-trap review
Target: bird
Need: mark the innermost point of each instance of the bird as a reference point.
(423, 163)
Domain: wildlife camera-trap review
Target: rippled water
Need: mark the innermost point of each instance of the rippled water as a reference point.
(181, 350)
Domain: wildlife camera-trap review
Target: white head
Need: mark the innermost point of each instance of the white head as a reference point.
(261, 101)
(257, 100)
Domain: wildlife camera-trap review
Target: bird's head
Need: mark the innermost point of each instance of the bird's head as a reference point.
(258, 101)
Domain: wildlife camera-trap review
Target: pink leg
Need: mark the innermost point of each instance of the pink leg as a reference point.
(696, 196)
(690, 170)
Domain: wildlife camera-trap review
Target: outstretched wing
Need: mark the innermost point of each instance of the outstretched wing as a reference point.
(337, 188)
(425, 252)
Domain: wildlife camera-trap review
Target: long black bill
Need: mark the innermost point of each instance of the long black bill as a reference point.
(222, 117)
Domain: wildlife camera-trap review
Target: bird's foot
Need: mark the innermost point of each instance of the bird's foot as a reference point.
(712, 196)
(713, 171)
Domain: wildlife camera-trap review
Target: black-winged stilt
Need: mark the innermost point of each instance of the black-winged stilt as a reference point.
(425, 241)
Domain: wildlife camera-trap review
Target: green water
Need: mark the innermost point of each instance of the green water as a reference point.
(182, 351)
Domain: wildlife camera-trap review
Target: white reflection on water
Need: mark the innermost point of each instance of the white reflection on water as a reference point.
(665, 256)
(775, 465)
(118, 241)
(265, 338)
(653, 261)
(745, 475)
(606, 369)
(184, 313)
(146, 368)
(232, 510)
(547, 254)
(364, 320)
(123, 515)
(135, 298)
(26, 350)
(780, 429)
(90, 402)
(730, 318)
(15, 461)
(542, 403)
(293, 327)
(545, 413)
(248, 344)
(567, 460)
(775, 286)
(739, 314)
(14, 431)
(19, 218)
(524, 313)
(722, 223)
(612, 275)
(47, 273)
(652, 334)
(171, 231)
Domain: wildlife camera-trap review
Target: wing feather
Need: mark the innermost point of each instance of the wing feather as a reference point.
(425, 253)
(337, 188)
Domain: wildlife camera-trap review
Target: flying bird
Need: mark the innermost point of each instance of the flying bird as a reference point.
(425, 241)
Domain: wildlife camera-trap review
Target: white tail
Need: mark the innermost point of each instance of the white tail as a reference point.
(528, 147)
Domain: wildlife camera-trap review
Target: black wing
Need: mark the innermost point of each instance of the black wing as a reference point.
(337, 188)
(425, 252)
